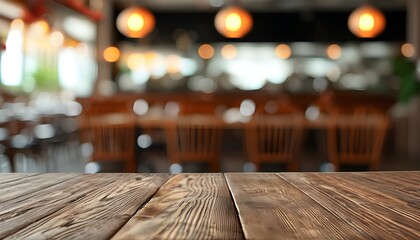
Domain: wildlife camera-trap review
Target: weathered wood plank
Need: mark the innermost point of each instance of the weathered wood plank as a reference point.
(408, 177)
(271, 208)
(188, 206)
(382, 201)
(10, 177)
(21, 211)
(357, 206)
(99, 214)
(33, 183)
(400, 183)
(388, 186)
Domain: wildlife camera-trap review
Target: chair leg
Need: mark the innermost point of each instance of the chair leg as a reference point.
(293, 166)
(130, 166)
(214, 166)
(373, 166)
(10, 156)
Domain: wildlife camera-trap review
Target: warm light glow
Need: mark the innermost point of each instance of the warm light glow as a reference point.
(407, 50)
(82, 48)
(233, 22)
(155, 64)
(366, 22)
(135, 22)
(283, 51)
(135, 61)
(229, 51)
(174, 63)
(39, 28)
(206, 51)
(111, 54)
(17, 24)
(56, 39)
(334, 51)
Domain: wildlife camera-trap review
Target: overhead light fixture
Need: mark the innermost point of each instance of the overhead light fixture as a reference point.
(366, 22)
(135, 22)
(233, 22)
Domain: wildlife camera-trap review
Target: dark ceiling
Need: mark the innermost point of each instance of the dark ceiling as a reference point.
(261, 5)
(316, 25)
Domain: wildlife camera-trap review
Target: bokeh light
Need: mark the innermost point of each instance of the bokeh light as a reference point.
(111, 54)
(366, 22)
(144, 141)
(283, 51)
(407, 50)
(39, 28)
(135, 61)
(206, 51)
(56, 39)
(233, 22)
(174, 63)
(247, 107)
(229, 51)
(135, 22)
(334, 51)
(140, 107)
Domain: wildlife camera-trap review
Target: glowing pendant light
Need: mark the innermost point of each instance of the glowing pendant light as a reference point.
(366, 22)
(233, 22)
(135, 22)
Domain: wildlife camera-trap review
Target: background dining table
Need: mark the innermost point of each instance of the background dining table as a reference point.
(354, 205)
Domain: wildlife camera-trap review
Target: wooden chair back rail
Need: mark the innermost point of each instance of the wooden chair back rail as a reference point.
(356, 139)
(195, 139)
(274, 139)
(114, 143)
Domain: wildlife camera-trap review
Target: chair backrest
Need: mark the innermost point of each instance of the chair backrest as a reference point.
(101, 111)
(274, 138)
(114, 142)
(194, 138)
(356, 139)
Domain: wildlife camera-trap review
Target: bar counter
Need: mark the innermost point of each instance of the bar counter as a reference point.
(363, 205)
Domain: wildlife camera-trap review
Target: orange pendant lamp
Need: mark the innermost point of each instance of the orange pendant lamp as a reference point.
(233, 22)
(135, 22)
(366, 22)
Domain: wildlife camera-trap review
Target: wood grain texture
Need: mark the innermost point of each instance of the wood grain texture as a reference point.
(188, 206)
(10, 177)
(364, 205)
(98, 214)
(371, 211)
(29, 184)
(403, 190)
(23, 210)
(271, 208)
(396, 207)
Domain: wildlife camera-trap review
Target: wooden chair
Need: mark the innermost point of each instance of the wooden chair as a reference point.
(194, 139)
(356, 139)
(111, 128)
(7, 129)
(22, 148)
(274, 139)
(115, 142)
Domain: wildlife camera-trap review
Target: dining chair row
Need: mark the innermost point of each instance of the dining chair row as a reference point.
(355, 138)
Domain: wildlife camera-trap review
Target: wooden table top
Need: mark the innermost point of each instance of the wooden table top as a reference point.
(371, 205)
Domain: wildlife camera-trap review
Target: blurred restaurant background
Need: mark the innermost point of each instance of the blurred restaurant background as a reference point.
(111, 86)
